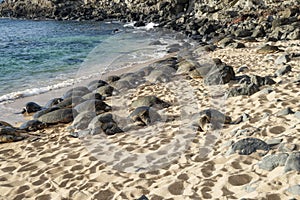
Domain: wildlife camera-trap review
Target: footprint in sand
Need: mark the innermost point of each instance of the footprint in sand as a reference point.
(22, 189)
(77, 168)
(19, 197)
(277, 130)
(43, 197)
(208, 169)
(9, 169)
(104, 195)
(29, 167)
(205, 193)
(239, 180)
(176, 188)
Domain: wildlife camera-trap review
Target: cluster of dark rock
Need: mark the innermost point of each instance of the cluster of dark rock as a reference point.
(206, 19)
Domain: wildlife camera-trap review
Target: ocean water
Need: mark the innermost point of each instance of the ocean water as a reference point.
(39, 56)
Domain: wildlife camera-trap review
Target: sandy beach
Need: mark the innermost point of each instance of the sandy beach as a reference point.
(171, 159)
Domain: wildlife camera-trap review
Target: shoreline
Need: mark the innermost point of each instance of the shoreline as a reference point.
(18, 104)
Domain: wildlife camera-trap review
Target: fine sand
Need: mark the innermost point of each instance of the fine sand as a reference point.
(169, 160)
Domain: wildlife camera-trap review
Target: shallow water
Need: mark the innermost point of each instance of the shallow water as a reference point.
(39, 56)
(42, 56)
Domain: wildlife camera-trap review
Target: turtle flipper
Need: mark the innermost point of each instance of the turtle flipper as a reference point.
(22, 112)
(10, 138)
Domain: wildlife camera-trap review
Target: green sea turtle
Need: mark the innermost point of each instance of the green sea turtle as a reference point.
(82, 120)
(150, 101)
(70, 102)
(10, 134)
(33, 125)
(53, 102)
(93, 105)
(144, 116)
(65, 115)
(268, 49)
(92, 95)
(106, 90)
(44, 111)
(31, 107)
(77, 91)
(111, 79)
(104, 123)
(93, 85)
(3, 123)
(211, 119)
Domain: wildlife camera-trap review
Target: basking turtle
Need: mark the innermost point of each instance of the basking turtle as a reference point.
(3, 123)
(104, 123)
(65, 115)
(53, 102)
(268, 49)
(93, 85)
(70, 102)
(93, 106)
(82, 120)
(9, 134)
(144, 116)
(111, 79)
(150, 101)
(33, 125)
(93, 96)
(211, 119)
(106, 90)
(44, 111)
(31, 107)
(77, 91)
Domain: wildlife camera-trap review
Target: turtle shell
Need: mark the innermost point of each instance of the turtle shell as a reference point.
(59, 116)
(144, 115)
(33, 125)
(214, 115)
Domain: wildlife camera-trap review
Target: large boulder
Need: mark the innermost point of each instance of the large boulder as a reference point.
(219, 74)
(248, 146)
(261, 81)
(270, 162)
(245, 89)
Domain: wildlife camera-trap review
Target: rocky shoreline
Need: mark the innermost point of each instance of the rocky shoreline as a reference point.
(204, 20)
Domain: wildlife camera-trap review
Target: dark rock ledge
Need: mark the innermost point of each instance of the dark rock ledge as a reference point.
(206, 20)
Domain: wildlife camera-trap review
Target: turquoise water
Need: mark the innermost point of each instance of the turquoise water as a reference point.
(39, 56)
(35, 53)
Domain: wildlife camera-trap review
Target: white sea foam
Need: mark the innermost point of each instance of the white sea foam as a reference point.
(129, 25)
(35, 91)
(148, 26)
(151, 25)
